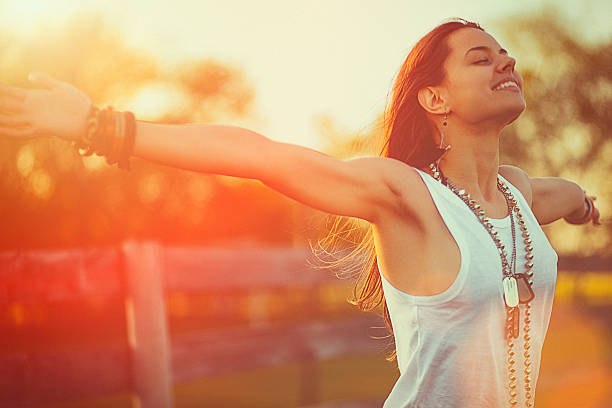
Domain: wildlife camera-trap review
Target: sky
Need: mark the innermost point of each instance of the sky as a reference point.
(304, 59)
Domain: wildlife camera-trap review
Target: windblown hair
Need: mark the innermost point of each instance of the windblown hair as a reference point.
(408, 136)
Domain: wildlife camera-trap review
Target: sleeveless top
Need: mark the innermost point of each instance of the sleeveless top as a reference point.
(451, 350)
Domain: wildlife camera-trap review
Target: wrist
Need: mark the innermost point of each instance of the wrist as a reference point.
(583, 214)
(108, 133)
(580, 212)
(80, 129)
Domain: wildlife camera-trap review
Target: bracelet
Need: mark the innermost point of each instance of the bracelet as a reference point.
(110, 134)
(84, 145)
(587, 216)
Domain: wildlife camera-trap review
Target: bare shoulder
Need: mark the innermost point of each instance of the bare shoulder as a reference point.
(519, 179)
(404, 182)
(399, 176)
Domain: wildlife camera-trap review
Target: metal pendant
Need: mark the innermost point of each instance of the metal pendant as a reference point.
(510, 291)
(525, 292)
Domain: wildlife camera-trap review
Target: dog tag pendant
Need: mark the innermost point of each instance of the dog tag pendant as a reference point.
(510, 291)
(525, 292)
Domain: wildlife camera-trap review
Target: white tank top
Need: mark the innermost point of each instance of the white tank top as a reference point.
(451, 350)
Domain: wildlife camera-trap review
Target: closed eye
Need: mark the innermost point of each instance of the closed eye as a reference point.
(482, 60)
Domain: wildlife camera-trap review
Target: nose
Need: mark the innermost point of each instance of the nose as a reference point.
(507, 64)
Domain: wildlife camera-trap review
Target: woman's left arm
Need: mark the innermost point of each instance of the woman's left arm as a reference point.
(553, 198)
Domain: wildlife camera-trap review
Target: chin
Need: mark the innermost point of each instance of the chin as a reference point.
(513, 114)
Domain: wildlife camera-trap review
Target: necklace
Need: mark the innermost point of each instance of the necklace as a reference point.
(517, 286)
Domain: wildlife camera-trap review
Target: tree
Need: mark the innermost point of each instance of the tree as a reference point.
(52, 197)
(564, 130)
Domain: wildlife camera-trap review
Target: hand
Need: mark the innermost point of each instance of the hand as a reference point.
(56, 109)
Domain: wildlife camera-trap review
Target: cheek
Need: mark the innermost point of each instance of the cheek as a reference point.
(470, 98)
(468, 92)
(519, 77)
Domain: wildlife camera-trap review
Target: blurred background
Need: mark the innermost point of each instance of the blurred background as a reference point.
(313, 73)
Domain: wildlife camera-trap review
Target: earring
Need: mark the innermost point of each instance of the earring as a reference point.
(431, 155)
(441, 150)
(443, 127)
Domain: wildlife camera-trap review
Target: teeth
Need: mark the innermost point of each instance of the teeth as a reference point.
(505, 85)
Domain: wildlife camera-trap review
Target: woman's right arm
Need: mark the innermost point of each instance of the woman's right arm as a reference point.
(364, 187)
(355, 187)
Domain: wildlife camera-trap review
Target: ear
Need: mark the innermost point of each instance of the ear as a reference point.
(432, 101)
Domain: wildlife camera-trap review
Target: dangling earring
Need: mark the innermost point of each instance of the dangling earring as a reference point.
(441, 150)
(443, 127)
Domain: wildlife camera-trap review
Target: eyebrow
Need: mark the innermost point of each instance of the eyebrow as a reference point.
(485, 48)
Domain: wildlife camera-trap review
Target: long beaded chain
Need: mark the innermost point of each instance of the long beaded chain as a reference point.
(525, 293)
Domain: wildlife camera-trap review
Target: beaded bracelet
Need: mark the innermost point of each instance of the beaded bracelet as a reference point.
(110, 134)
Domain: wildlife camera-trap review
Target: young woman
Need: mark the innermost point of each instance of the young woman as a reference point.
(465, 274)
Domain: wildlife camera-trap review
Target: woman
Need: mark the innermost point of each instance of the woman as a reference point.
(464, 271)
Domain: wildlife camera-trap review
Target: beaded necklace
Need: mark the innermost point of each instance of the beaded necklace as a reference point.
(517, 286)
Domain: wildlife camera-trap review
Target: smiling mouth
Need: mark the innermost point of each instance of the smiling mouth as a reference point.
(507, 86)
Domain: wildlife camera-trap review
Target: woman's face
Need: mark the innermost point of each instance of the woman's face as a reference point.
(476, 67)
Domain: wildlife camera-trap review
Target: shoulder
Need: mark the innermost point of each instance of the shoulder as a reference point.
(401, 177)
(403, 180)
(519, 179)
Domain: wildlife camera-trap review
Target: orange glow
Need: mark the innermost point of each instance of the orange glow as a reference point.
(18, 314)
(291, 71)
(338, 61)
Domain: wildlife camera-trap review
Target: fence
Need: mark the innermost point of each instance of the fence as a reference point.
(148, 364)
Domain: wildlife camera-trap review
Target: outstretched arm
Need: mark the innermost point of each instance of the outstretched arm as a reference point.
(553, 198)
(355, 187)
(358, 187)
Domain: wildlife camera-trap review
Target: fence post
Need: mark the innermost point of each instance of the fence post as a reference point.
(309, 378)
(146, 324)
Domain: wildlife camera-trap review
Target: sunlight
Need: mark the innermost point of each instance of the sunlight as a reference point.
(200, 191)
(26, 15)
(25, 160)
(576, 139)
(94, 162)
(150, 188)
(338, 58)
(66, 158)
(156, 100)
(596, 287)
(41, 183)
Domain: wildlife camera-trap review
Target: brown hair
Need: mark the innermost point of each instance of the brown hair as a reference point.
(408, 136)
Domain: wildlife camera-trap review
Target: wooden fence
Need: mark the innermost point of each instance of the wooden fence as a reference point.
(150, 362)
(142, 272)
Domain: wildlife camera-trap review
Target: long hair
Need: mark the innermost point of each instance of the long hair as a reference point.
(408, 136)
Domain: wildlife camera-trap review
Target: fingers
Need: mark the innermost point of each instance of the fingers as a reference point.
(11, 91)
(43, 80)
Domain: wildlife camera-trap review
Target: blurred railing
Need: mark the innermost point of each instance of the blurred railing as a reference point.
(261, 307)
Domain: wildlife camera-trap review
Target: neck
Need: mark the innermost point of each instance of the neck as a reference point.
(472, 163)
